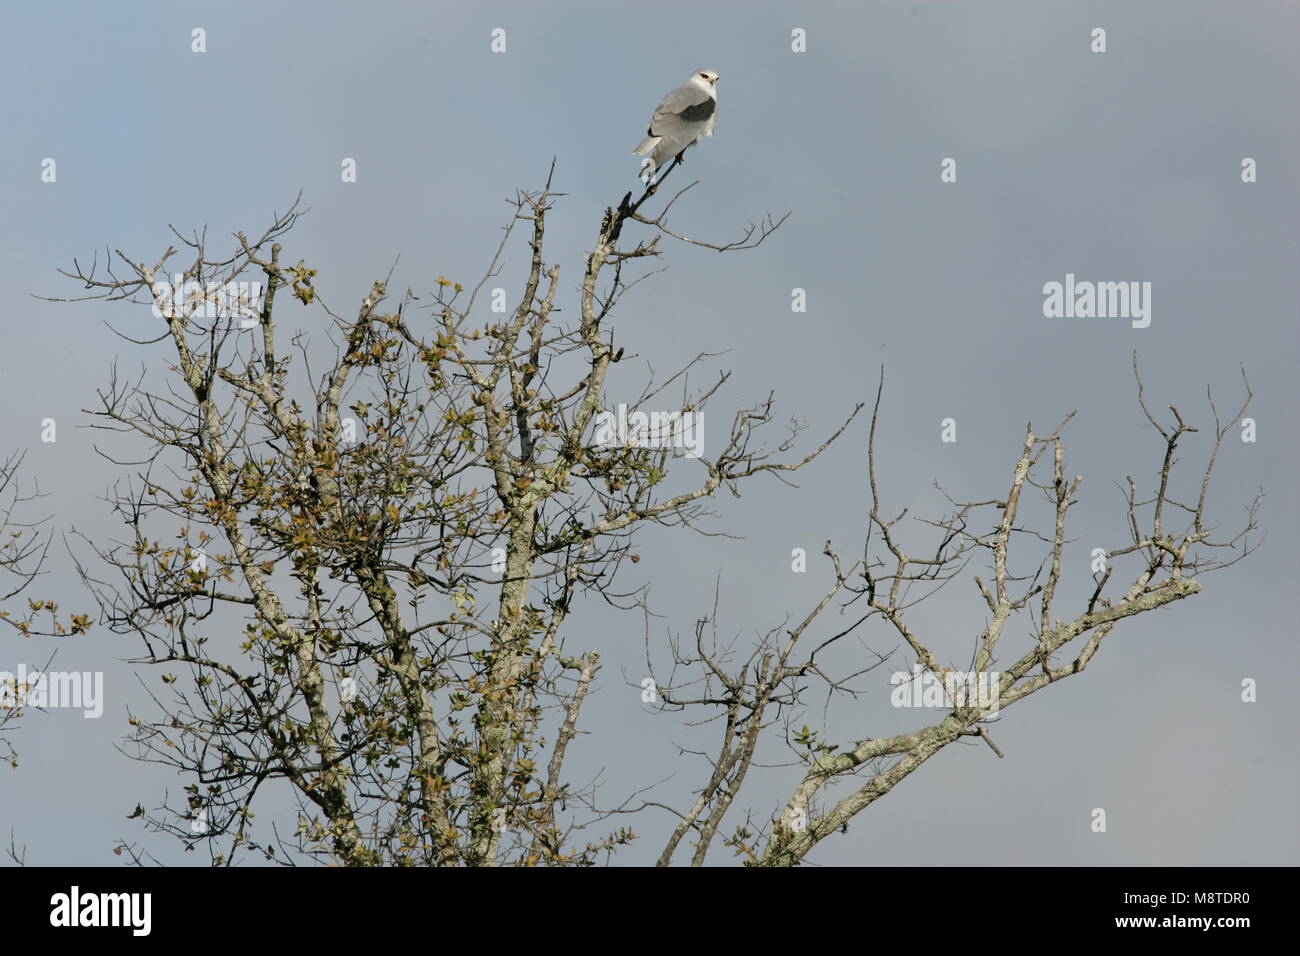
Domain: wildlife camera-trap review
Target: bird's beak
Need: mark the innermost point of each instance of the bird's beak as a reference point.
(714, 81)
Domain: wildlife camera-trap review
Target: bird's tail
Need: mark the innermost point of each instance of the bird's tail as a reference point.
(647, 146)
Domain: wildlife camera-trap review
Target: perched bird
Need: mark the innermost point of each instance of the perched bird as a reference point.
(682, 118)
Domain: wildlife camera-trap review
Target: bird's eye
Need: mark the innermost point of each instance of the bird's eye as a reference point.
(705, 75)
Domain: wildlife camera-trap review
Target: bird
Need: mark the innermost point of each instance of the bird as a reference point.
(682, 118)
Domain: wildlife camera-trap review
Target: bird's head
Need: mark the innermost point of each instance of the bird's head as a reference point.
(705, 79)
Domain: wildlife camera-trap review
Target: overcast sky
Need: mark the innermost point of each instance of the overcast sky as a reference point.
(1117, 166)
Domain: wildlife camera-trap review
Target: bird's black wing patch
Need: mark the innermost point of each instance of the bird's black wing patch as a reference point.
(700, 111)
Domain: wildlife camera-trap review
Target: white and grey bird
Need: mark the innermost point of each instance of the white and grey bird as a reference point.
(682, 118)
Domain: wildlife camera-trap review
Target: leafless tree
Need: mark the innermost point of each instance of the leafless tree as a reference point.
(402, 527)
(1170, 547)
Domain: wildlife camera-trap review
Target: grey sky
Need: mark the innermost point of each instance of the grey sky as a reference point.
(1116, 166)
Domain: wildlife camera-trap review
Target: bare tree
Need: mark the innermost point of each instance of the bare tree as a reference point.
(1171, 546)
(403, 526)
